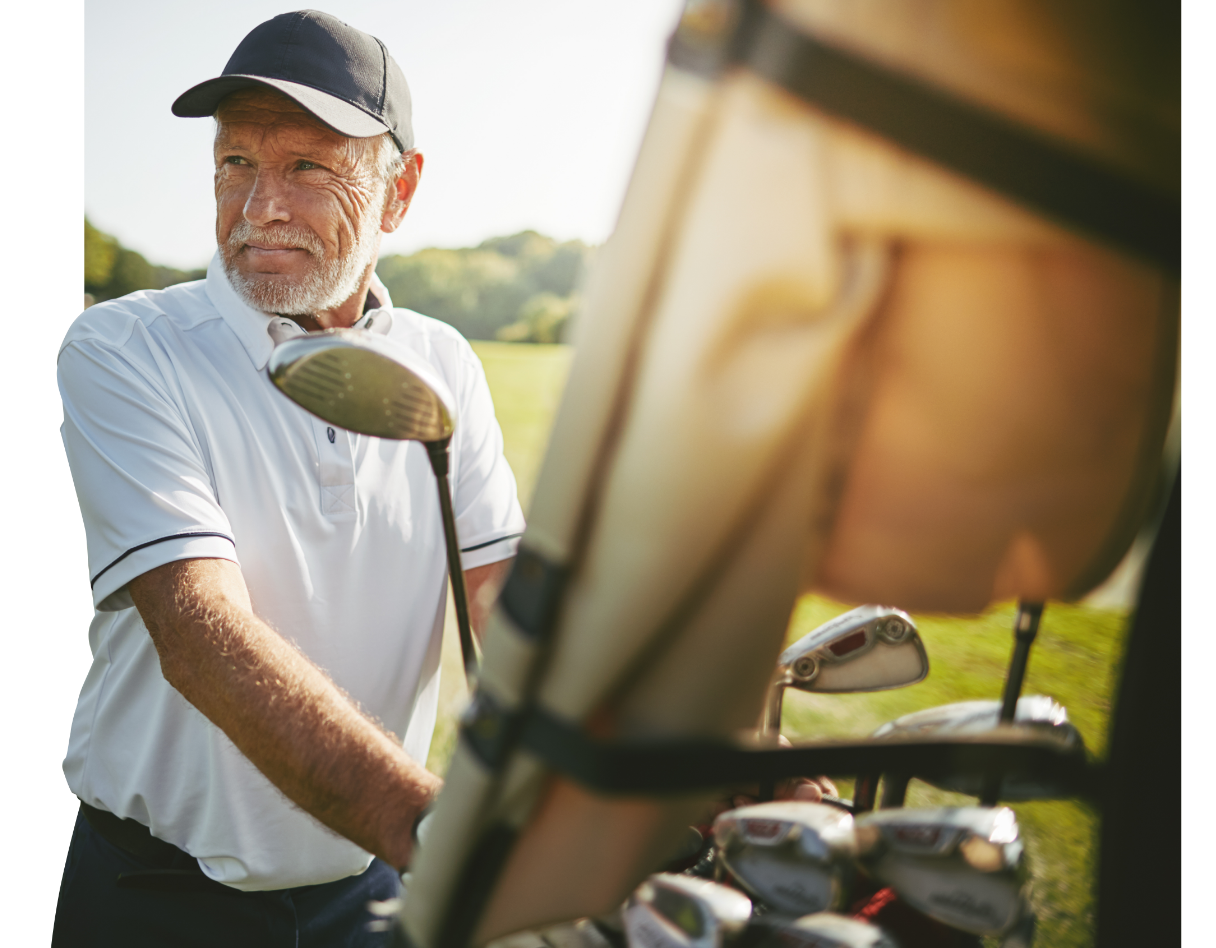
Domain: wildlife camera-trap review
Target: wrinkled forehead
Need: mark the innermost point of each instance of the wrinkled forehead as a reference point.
(261, 111)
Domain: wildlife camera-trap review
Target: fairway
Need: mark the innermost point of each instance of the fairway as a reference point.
(527, 383)
(1074, 661)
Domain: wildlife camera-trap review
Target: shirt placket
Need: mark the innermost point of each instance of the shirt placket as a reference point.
(335, 470)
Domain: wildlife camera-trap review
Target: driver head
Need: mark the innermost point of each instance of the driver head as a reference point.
(365, 383)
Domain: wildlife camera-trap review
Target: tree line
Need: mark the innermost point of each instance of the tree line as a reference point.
(522, 288)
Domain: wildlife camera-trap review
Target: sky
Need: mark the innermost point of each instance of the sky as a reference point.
(529, 113)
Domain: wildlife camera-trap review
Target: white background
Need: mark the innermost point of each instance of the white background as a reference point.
(54, 145)
(528, 113)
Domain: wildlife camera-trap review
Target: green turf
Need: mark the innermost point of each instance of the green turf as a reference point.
(1073, 661)
(526, 382)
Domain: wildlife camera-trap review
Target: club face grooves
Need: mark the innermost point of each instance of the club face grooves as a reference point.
(364, 391)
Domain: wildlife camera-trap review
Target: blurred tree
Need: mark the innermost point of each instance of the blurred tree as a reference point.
(99, 253)
(485, 289)
(112, 270)
(542, 319)
(521, 288)
(131, 272)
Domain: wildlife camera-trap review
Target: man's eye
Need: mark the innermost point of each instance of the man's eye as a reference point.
(307, 166)
(234, 160)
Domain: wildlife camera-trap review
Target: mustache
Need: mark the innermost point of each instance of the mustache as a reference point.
(284, 236)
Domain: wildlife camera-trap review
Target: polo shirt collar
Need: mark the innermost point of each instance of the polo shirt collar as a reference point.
(252, 326)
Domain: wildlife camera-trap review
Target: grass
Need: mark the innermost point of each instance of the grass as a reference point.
(1074, 661)
(527, 383)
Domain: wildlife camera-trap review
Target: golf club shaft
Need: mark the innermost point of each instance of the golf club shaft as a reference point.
(438, 453)
(865, 791)
(770, 729)
(894, 790)
(1025, 628)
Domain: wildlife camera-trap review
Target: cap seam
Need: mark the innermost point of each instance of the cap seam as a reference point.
(383, 75)
(289, 39)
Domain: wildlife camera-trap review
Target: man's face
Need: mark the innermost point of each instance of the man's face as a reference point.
(298, 207)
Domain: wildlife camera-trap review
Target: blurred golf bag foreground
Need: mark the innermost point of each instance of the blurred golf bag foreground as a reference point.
(891, 313)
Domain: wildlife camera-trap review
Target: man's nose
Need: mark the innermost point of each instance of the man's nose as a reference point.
(269, 200)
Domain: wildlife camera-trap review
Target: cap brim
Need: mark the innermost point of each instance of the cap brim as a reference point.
(345, 119)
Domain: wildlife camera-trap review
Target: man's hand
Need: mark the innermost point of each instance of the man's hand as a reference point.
(282, 712)
(811, 789)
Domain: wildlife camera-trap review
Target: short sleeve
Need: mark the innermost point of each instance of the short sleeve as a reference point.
(489, 518)
(144, 489)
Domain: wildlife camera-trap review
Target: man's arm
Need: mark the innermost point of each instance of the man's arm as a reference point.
(282, 712)
(483, 584)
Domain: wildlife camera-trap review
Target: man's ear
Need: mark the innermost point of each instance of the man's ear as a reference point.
(404, 187)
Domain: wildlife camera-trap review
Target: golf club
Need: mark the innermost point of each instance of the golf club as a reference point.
(670, 911)
(1037, 712)
(870, 648)
(371, 385)
(1025, 628)
(963, 866)
(820, 930)
(578, 934)
(794, 856)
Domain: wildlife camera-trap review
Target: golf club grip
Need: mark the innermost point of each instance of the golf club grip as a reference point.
(438, 453)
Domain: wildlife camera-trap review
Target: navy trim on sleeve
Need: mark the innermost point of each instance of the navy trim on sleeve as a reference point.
(173, 536)
(465, 549)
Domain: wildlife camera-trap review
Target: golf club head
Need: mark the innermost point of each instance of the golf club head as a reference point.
(579, 934)
(820, 930)
(963, 866)
(365, 383)
(671, 911)
(794, 856)
(870, 648)
(1036, 712)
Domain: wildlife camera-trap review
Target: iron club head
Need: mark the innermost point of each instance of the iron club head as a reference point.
(671, 911)
(1034, 712)
(963, 866)
(794, 856)
(820, 930)
(870, 648)
(365, 383)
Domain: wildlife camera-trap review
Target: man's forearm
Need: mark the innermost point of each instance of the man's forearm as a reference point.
(280, 710)
(483, 583)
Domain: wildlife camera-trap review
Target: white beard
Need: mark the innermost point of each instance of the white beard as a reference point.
(329, 282)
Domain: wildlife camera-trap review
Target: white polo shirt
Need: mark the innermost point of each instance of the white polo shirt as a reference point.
(180, 447)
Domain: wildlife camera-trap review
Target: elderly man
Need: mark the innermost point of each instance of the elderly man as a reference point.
(270, 592)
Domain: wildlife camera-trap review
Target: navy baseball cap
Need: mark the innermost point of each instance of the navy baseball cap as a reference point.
(343, 76)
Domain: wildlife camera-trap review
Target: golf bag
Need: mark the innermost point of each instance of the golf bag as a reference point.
(890, 312)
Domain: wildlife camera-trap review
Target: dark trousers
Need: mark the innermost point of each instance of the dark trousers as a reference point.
(174, 906)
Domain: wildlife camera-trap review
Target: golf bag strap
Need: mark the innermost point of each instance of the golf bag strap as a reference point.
(1049, 175)
(683, 766)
